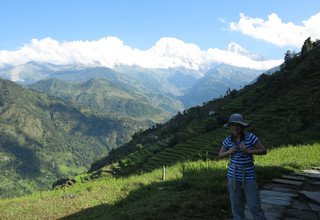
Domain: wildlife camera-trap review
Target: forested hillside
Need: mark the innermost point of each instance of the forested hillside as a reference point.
(112, 97)
(282, 108)
(44, 138)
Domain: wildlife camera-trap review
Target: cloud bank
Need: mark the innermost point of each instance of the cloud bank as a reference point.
(111, 51)
(277, 32)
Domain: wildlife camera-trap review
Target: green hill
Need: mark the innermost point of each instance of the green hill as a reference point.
(282, 108)
(114, 97)
(192, 190)
(44, 138)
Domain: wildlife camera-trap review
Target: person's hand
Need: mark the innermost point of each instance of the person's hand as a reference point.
(242, 146)
(233, 149)
(245, 149)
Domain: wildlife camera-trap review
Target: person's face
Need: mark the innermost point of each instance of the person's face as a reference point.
(236, 129)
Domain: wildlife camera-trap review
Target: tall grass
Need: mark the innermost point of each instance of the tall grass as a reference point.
(191, 190)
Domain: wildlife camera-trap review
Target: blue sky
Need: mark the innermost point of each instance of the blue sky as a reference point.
(141, 23)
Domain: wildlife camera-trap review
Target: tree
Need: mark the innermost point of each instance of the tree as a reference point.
(139, 147)
(287, 56)
(307, 47)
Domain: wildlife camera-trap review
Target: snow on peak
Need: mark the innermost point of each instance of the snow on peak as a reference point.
(168, 46)
(236, 48)
(168, 52)
(176, 53)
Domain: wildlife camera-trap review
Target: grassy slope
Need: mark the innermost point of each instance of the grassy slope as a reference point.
(192, 189)
(282, 108)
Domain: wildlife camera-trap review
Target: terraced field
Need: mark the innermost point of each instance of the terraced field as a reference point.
(204, 146)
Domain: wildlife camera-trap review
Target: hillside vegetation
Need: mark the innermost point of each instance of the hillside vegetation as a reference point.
(282, 108)
(44, 138)
(113, 97)
(192, 190)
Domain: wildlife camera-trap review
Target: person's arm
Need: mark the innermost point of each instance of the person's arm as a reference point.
(258, 149)
(224, 152)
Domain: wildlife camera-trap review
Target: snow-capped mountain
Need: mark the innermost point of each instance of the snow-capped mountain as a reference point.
(162, 60)
(110, 52)
(236, 48)
(180, 83)
(178, 53)
(171, 67)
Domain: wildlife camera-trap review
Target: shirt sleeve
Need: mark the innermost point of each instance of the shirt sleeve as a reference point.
(253, 139)
(226, 143)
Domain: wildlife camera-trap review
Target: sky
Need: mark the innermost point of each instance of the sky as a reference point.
(139, 32)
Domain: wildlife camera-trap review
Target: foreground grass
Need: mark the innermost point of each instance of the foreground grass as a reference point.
(191, 190)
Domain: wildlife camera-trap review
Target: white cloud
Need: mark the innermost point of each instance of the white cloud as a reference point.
(277, 32)
(111, 51)
(234, 59)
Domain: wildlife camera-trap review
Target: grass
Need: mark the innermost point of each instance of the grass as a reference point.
(197, 147)
(191, 190)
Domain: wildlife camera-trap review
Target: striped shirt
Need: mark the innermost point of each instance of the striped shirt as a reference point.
(241, 162)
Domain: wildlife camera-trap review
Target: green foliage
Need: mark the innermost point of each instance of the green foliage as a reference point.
(282, 108)
(307, 47)
(113, 97)
(192, 190)
(44, 138)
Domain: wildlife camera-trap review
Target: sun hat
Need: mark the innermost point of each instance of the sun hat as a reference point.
(238, 119)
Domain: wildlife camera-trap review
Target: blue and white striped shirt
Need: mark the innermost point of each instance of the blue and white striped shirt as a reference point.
(240, 160)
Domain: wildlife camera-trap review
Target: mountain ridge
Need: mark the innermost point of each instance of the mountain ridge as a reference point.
(216, 82)
(44, 138)
(282, 108)
(176, 83)
(116, 98)
(167, 52)
(236, 48)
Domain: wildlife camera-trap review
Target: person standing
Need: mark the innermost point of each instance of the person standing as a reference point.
(242, 184)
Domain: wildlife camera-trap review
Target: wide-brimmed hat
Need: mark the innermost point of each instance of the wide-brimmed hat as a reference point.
(238, 119)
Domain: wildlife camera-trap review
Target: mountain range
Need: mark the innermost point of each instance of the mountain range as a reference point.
(62, 118)
(176, 62)
(216, 82)
(282, 108)
(185, 85)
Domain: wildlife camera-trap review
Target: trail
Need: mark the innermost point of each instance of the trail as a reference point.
(294, 196)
